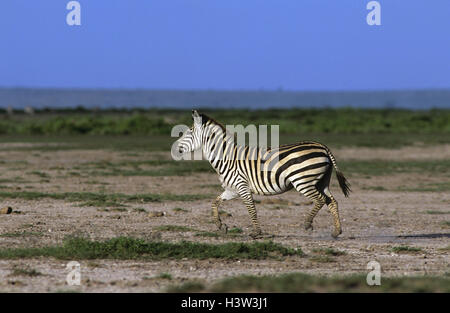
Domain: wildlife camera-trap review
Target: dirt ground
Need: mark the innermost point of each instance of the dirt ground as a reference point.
(374, 221)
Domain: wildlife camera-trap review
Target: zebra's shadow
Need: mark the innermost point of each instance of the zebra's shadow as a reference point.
(426, 236)
(375, 238)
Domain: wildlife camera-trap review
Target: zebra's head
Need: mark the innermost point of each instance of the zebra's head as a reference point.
(192, 138)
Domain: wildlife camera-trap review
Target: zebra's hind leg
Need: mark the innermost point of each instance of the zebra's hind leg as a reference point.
(319, 199)
(320, 194)
(333, 208)
(226, 195)
(319, 202)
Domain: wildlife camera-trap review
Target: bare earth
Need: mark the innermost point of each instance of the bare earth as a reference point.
(373, 222)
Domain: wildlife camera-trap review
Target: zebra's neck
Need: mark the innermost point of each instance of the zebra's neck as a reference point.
(219, 147)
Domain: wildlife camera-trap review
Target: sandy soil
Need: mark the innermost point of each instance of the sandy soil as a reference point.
(373, 222)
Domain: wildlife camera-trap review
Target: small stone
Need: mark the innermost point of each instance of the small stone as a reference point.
(16, 283)
(156, 214)
(6, 210)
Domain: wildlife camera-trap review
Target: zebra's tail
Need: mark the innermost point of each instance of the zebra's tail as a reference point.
(343, 183)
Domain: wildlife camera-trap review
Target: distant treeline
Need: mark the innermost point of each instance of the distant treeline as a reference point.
(160, 122)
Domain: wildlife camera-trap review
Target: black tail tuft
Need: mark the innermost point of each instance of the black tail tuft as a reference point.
(343, 183)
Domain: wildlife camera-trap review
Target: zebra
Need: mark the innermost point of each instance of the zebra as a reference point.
(243, 170)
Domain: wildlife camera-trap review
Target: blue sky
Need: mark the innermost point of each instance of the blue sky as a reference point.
(233, 44)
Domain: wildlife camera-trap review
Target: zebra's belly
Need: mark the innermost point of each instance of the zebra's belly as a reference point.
(271, 191)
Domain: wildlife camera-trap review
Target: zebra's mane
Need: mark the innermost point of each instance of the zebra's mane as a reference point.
(206, 119)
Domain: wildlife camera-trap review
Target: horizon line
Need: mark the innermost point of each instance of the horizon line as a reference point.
(280, 89)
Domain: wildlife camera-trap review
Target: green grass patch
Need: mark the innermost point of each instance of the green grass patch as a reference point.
(122, 210)
(22, 234)
(25, 272)
(85, 124)
(102, 203)
(322, 259)
(299, 282)
(329, 251)
(294, 120)
(165, 276)
(16, 180)
(130, 248)
(39, 174)
(235, 230)
(406, 249)
(95, 182)
(101, 199)
(325, 255)
(149, 130)
(188, 287)
(434, 212)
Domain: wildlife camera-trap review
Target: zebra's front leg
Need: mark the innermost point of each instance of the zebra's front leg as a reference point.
(250, 204)
(226, 195)
(215, 211)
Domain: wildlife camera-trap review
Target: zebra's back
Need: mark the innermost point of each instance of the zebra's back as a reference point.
(274, 171)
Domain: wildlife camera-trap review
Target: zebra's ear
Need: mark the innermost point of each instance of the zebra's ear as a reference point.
(196, 117)
(195, 114)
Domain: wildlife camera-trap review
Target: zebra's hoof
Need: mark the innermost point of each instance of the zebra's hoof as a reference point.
(336, 233)
(256, 234)
(223, 228)
(309, 226)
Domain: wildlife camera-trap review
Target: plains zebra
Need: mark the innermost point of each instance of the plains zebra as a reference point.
(243, 170)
